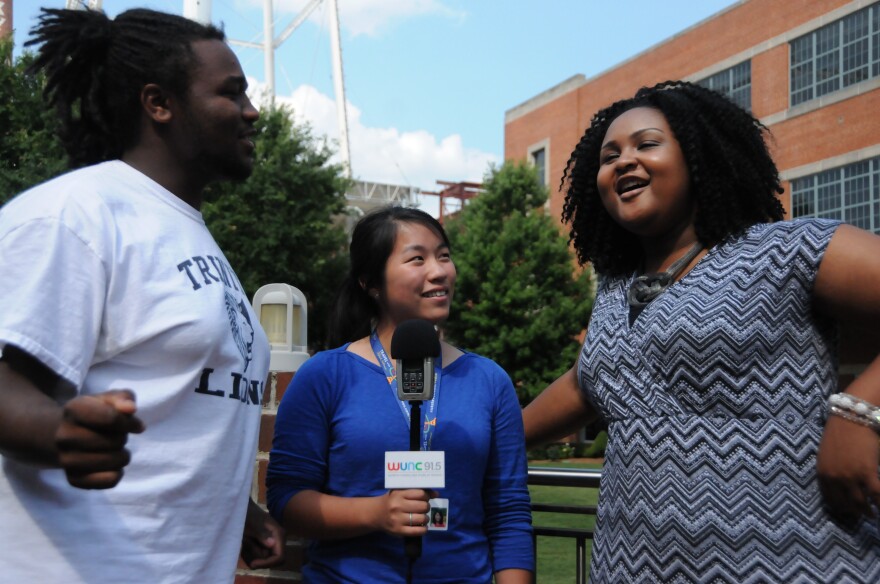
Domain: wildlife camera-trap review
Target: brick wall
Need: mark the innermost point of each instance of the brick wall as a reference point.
(832, 130)
(291, 570)
(5, 18)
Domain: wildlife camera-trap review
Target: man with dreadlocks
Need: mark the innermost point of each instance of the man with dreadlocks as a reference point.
(123, 320)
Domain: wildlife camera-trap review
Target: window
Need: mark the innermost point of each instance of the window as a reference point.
(735, 83)
(850, 193)
(835, 56)
(539, 159)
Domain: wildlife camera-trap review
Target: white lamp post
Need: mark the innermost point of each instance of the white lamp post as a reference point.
(283, 313)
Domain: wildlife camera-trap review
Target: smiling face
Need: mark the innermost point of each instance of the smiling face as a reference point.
(643, 178)
(419, 277)
(217, 135)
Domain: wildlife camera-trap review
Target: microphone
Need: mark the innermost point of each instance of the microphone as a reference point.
(415, 345)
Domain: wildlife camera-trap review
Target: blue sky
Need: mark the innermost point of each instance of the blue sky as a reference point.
(428, 81)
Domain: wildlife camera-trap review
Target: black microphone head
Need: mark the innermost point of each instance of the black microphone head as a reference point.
(415, 339)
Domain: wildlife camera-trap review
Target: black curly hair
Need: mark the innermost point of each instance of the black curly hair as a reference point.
(95, 69)
(732, 175)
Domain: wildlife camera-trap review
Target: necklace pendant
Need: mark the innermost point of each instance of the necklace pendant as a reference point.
(647, 287)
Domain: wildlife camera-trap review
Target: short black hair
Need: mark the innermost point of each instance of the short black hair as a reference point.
(96, 67)
(372, 242)
(733, 178)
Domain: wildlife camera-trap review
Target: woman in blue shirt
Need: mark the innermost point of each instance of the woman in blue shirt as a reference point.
(341, 414)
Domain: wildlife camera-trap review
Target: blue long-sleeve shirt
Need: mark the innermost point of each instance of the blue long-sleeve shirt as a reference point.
(337, 419)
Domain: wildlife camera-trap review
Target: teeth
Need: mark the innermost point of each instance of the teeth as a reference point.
(435, 294)
(631, 184)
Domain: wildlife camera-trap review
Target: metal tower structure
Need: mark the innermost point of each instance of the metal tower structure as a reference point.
(363, 195)
(83, 4)
(462, 191)
(200, 10)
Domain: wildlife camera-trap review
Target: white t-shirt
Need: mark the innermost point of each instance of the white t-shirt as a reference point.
(113, 282)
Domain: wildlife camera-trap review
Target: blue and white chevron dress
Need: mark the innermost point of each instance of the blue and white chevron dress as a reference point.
(716, 400)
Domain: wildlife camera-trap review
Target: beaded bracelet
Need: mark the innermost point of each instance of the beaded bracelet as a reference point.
(855, 410)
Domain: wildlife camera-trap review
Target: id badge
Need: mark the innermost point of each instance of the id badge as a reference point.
(439, 515)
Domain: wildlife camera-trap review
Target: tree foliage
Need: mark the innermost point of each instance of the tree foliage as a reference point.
(518, 299)
(30, 151)
(281, 224)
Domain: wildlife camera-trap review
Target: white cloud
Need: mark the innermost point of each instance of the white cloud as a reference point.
(365, 17)
(415, 158)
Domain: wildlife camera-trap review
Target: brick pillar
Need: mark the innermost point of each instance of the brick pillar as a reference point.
(5, 18)
(291, 570)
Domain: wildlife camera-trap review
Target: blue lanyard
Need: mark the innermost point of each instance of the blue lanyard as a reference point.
(430, 423)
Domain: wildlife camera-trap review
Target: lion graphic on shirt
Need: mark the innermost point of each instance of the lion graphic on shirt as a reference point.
(242, 328)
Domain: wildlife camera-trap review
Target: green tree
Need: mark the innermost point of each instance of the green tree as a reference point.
(30, 151)
(282, 224)
(518, 298)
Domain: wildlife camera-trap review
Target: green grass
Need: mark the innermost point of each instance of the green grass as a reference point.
(556, 555)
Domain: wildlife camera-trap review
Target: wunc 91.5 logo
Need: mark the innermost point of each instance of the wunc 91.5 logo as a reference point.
(418, 466)
(415, 470)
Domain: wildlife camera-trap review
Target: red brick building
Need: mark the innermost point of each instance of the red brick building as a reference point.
(808, 69)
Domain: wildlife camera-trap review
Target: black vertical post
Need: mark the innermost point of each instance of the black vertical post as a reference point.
(413, 545)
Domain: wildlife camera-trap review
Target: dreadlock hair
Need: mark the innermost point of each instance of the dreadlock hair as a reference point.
(733, 178)
(95, 68)
(372, 242)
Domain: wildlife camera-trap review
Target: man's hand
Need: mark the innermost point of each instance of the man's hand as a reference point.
(262, 545)
(91, 438)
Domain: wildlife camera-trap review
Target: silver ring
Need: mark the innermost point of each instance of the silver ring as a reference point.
(410, 520)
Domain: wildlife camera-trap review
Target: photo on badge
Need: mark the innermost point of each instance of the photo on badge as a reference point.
(439, 515)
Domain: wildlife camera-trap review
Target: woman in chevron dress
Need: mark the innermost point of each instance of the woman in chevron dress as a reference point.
(711, 353)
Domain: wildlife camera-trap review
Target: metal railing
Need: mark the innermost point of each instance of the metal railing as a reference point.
(566, 477)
